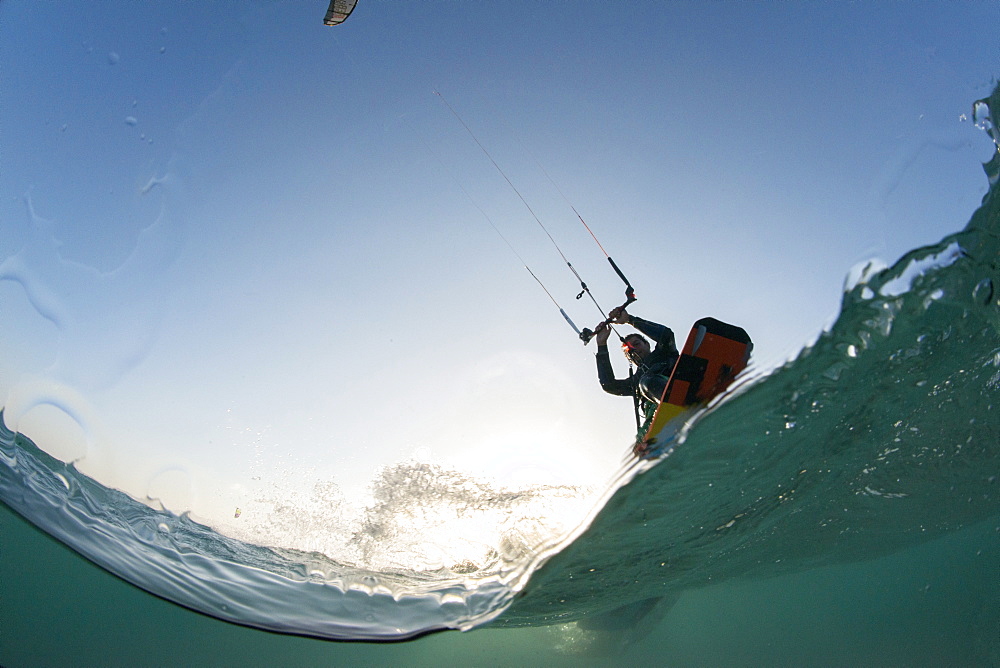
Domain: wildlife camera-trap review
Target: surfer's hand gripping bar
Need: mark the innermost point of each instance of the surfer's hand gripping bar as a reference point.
(587, 334)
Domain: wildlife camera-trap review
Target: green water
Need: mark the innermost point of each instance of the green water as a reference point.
(932, 605)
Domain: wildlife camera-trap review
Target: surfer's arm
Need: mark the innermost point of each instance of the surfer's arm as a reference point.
(661, 334)
(606, 375)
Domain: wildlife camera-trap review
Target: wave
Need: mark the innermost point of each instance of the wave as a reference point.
(881, 435)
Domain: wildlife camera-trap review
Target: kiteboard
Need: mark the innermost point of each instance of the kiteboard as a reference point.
(714, 353)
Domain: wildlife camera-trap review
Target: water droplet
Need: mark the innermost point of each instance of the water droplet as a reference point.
(983, 292)
(163, 527)
(56, 422)
(131, 120)
(981, 115)
(163, 49)
(113, 58)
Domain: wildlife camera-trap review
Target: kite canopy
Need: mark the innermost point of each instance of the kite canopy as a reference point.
(338, 11)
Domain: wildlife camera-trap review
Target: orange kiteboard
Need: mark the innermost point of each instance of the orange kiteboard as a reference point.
(714, 353)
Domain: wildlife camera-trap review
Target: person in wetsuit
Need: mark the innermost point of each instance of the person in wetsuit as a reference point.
(653, 364)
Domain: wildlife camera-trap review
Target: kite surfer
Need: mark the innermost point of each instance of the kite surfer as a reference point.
(653, 364)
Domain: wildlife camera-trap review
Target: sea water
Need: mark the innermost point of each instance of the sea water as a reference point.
(873, 451)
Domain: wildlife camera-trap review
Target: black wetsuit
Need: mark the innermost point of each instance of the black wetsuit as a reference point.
(653, 372)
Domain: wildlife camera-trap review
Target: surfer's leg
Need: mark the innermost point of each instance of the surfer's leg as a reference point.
(652, 386)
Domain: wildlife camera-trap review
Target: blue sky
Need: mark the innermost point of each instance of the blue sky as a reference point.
(241, 245)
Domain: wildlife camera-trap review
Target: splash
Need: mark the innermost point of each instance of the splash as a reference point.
(403, 572)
